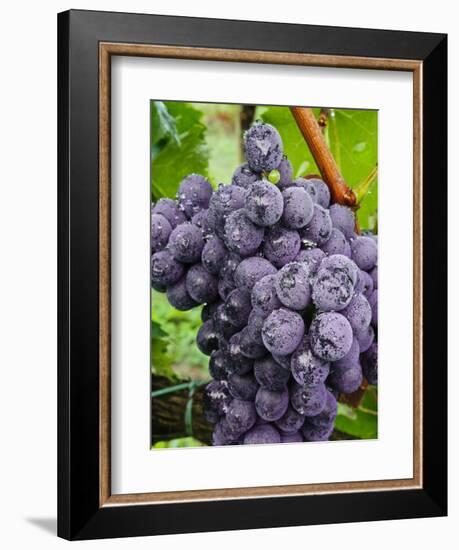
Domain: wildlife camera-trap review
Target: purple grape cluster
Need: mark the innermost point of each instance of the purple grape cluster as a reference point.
(289, 293)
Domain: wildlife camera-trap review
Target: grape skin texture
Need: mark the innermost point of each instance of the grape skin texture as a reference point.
(281, 245)
(289, 294)
(282, 331)
(330, 336)
(298, 207)
(264, 297)
(271, 405)
(292, 286)
(242, 235)
(264, 204)
(262, 433)
(160, 231)
(263, 147)
(186, 243)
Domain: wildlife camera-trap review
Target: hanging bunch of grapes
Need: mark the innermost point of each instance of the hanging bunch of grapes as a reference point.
(290, 294)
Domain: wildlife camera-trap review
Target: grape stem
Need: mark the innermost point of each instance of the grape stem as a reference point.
(340, 192)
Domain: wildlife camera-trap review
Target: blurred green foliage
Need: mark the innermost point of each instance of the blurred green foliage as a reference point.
(206, 139)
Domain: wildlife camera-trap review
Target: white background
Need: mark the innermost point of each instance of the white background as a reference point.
(134, 466)
(28, 274)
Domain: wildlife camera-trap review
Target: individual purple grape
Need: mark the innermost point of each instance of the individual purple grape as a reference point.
(271, 405)
(346, 379)
(343, 218)
(308, 400)
(281, 245)
(332, 290)
(364, 284)
(217, 365)
(264, 203)
(264, 297)
(193, 195)
(282, 331)
(200, 220)
(365, 338)
(370, 364)
(270, 375)
(241, 415)
(292, 286)
(160, 231)
(251, 270)
(216, 399)
(262, 433)
(319, 190)
(223, 434)
(201, 285)
(207, 338)
(374, 277)
(330, 336)
(244, 177)
(316, 433)
(242, 235)
(213, 255)
(285, 172)
(364, 252)
(318, 230)
(291, 421)
(178, 296)
(295, 437)
(338, 262)
(306, 368)
(336, 244)
(358, 312)
(186, 243)
(250, 343)
(229, 266)
(298, 207)
(170, 210)
(373, 301)
(328, 414)
(263, 147)
(238, 307)
(312, 258)
(352, 356)
(243, 386)
(239, 363)
(165, 269)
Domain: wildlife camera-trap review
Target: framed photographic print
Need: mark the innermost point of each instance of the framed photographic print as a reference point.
(252, 275)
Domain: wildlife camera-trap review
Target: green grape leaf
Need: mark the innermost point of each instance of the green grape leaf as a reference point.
(178, 146)
(360, 422)
(162, 124)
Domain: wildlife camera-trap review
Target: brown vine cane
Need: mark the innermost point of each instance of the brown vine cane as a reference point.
(340, 192)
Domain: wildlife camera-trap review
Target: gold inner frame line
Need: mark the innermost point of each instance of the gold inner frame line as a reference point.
(106, 51)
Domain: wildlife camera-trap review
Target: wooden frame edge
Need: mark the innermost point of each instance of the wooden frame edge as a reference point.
(106, 50)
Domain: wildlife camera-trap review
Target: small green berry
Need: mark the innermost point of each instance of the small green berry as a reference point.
(274, 176)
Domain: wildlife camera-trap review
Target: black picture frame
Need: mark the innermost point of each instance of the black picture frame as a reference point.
(80, 515)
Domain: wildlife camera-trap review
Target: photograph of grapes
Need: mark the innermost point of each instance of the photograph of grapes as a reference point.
(264, 255)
